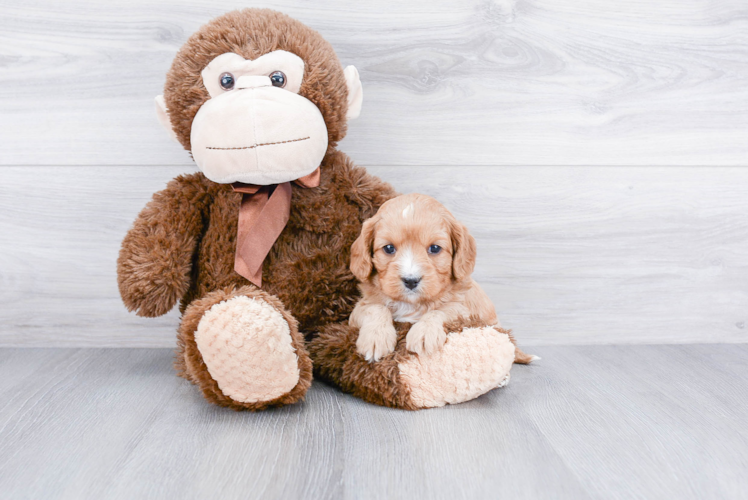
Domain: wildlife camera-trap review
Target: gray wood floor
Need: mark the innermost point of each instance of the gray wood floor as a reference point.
(585, 422)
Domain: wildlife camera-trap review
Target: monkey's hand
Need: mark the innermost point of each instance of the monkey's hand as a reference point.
(155, 261)
(427, 335)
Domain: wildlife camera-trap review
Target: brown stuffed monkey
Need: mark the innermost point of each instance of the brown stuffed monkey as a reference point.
(256, 246)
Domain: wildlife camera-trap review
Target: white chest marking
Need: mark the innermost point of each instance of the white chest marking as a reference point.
(405, 312)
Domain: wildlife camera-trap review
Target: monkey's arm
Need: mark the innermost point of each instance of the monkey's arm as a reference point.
(155, 260)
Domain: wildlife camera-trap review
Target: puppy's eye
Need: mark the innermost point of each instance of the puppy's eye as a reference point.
(434, 249)
(227, 81)
(389, 249)
(278, 78)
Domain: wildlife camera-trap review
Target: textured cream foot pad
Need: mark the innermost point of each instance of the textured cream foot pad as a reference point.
(471, 363)
(246, 345)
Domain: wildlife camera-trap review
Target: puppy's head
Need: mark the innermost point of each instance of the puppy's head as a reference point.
(413, 249)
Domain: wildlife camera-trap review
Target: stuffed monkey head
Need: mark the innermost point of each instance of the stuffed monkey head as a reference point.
(258, 98)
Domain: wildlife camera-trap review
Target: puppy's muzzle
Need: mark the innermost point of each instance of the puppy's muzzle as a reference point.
(411, 283)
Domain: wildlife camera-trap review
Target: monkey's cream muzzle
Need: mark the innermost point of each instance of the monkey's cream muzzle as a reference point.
(253, 132)
(257, 129)
(258, 134)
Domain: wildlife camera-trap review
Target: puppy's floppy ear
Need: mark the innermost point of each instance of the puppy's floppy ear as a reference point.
(464, 251)
(361, 266)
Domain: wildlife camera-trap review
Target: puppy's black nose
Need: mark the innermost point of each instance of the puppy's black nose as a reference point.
(411, 283)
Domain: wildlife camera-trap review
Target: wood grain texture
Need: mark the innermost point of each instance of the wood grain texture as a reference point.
(475, 82)
(576, 255)
(613, 422)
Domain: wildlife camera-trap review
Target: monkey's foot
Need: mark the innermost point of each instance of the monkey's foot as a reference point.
(474, 360)
(243, 349)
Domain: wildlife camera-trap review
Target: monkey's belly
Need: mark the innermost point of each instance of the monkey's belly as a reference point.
(315, 285)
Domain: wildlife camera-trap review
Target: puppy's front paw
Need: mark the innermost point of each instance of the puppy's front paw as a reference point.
(425, 337)
(376, 340)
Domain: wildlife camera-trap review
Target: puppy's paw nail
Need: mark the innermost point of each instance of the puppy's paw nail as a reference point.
(365, 352)
(414, 348)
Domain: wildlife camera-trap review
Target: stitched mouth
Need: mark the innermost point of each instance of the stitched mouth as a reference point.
(258, 145)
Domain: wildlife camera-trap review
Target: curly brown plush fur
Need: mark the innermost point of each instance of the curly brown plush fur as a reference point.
(252, 33)
(182, 245)
(184, 240)
(337, 362)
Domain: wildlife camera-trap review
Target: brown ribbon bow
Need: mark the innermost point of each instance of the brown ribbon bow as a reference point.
(263, 215)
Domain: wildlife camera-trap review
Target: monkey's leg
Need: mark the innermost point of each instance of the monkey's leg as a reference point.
(474, 360)
(243, 350)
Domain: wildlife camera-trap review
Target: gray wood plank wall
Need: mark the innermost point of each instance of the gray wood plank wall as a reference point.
(597, 149)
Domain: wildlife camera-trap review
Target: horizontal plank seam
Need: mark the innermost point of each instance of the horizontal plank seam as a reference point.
(461, 165)
(101, 343)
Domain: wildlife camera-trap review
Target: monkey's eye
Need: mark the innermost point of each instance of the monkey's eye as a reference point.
(434, 249)
(227, 81)
(389, 249)
(278, 78)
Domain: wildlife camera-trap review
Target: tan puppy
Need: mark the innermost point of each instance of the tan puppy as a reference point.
(415, 261)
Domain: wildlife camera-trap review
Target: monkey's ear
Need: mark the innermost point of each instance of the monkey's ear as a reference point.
(355, 92)
(163, 117)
